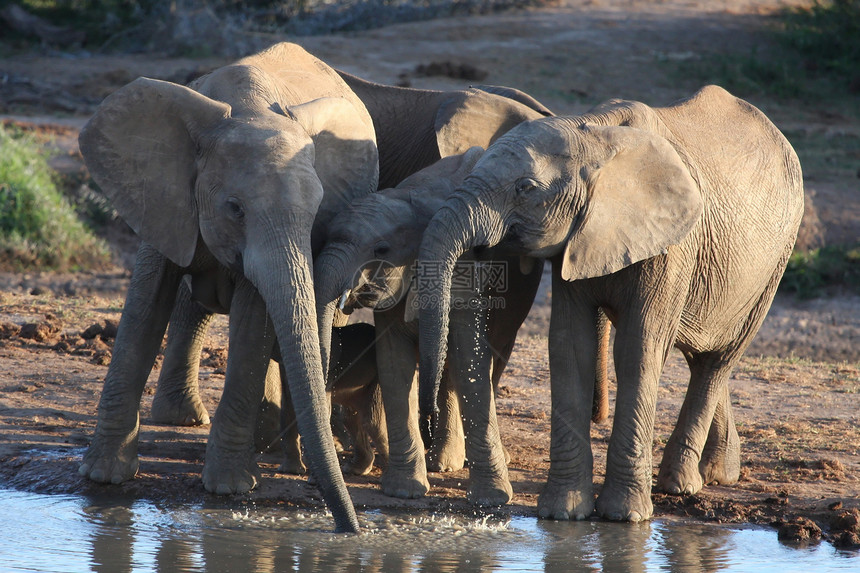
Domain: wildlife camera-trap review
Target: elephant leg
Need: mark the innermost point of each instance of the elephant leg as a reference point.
(267, 432)
(230, 466)
(470, 359)
(293, 462)
(373, 421)
(177, 399)
(708, 388)
(568, 493)
(600, 407)
(112, 455)
(361, 462)
(405, 475)
(721, 458)
(704, 446)
(447, 453)
(644, 335)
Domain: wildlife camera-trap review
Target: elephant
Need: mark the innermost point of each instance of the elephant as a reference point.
(229, 181)
(414, 128)
(369, 261)
(676, 221)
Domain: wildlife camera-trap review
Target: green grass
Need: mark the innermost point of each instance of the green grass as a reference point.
(808, 274)
(809, 54)
(828, 35)
(39, 229)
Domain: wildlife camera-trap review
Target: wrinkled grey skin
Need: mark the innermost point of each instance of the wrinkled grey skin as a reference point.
(414, 129)
(224, 184)
(368, 262)
(354, 384)
(678, 223)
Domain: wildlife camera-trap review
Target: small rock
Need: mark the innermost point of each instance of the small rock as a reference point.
(9, 329)
(451, 70)
(102, 358)
(846, 520)
(847, 540)
(110, 329)
(38, 331)
(799, 530)
(92, 331)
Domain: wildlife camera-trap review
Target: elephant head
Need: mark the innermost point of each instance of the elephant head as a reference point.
(594, 198)
(243, 181)
(368, 258)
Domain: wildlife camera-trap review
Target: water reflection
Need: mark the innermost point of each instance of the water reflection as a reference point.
(65, 533)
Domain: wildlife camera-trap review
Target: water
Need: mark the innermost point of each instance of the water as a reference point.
(65, 533)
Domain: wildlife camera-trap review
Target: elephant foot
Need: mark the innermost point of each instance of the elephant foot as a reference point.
(721, 465)
(359, 465)
(490, 493)
(227, 474)
(562, 502)
(185, 410)
(449, 457)
(292, 465)
(111, 459)
(623, 503)
(679, 472)
(405, 485)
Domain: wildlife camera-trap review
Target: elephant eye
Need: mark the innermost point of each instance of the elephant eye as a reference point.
(235, 208)
(526, 185)
(381, 249)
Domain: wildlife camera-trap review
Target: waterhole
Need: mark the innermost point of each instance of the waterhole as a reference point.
(66, 533)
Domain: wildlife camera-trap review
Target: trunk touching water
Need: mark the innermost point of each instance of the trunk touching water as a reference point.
(289, 297)
(459, 226)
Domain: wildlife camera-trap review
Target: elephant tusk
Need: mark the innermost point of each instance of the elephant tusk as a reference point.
(343, 299)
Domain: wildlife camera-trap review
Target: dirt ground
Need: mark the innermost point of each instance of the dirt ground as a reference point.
(796, 395)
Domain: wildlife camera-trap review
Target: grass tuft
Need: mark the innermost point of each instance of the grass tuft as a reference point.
(39, 229)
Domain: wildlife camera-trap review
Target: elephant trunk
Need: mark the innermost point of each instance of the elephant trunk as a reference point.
(288, 292)
(464, 222)
(330, 282)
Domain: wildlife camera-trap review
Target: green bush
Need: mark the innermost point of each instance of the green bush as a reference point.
(98, 19)
(813, 55)
(827, 34)
(807, 274)
(38, 227)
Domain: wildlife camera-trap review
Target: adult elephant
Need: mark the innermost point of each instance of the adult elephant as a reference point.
(223, 181)
(414, 129)
(678, 222)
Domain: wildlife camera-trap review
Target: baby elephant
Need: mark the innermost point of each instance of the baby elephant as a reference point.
(352, 384)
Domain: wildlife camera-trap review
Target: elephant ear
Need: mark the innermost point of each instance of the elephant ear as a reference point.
(140, 148)
(475, 117)
(641, 201)
(345, 152)
(516, 95)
